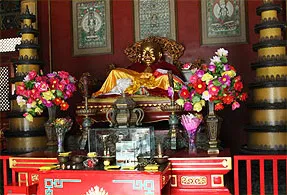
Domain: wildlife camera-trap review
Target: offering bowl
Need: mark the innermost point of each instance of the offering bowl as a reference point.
(63, 159)
(161, 160)
(78, 158)
(108, 160)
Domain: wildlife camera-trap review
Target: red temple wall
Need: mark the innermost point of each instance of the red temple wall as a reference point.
(188, 33)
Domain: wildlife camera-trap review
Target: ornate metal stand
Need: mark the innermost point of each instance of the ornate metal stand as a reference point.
(86, 112)
(87, 123)
(173, 121)
(212, 122)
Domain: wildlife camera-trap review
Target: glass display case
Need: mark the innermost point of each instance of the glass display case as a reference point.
(126, 144)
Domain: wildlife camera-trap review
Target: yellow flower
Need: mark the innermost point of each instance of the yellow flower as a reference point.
(202, 102)
(34, 104)
(197, 106)
(230, 73)
(48, 95)
(180, 102)
(38, 110)
(207, 77)
(29, 117)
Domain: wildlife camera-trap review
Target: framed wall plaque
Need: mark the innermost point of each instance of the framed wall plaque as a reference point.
(91, 27)
(154, 18)
(223, 22)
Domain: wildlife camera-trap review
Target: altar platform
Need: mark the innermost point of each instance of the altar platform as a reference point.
(184, 174)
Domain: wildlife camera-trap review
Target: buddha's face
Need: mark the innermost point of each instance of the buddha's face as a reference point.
(150, 54)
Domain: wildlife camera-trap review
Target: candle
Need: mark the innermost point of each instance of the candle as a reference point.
(159, 150)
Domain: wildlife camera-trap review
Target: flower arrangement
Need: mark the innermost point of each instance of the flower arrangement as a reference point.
(61, 124)
(191, 122)
(39, 91)
(217, 82)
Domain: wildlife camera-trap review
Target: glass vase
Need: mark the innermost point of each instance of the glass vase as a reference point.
(50, 130)
(192, 142)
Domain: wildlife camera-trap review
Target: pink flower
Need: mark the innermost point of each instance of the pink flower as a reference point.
(32, 74)
(226, 67)
(225, 80)
(193, 78)
(63, 74)
(213, 90)
(42, 86)
(187, 106)
(51, 75)
(235, 105)
(199, 73)
(211, 67)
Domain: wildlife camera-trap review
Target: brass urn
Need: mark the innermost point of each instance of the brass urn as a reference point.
(124, 114)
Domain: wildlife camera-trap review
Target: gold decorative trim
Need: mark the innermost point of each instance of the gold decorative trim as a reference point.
(217, 185)
(23, 181)
(225, 163)
(13, 163)
(193, 180)
(196, 159)
(175, 181)
(34, 178)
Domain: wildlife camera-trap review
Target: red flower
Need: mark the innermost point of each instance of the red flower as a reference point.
(184, 93)
(232, 68)
(212, 98)
(57, 101)
(213, 90)
(64, 106)
(218, 106)
(243, 97)
(238, 86)
(204, 67)
(238, 78)
(200, 86)
(228, 99)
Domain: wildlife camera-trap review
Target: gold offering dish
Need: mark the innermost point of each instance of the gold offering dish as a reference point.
(161, 159)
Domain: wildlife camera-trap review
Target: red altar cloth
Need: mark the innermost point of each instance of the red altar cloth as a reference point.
(115, 182)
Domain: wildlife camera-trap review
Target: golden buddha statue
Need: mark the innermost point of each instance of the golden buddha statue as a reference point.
(148, 73)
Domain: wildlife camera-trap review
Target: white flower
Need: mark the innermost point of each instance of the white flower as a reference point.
(29, 106)
(26, 78)
(215, 59)
(206, 95)
(20, 101)
(221, 52)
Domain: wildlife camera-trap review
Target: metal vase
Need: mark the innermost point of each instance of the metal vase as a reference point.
(50, 130)
(212, 122)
